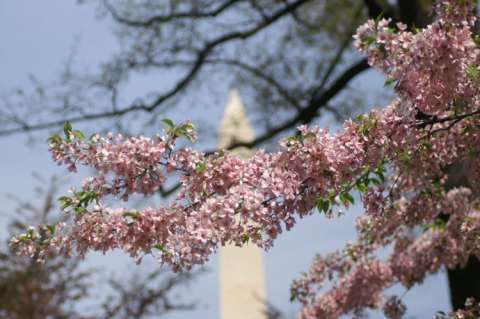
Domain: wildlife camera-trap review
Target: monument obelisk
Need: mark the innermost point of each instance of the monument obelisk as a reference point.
(242, 278)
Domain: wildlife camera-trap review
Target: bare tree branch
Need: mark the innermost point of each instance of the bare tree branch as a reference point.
(167, 192)
(309, 113)
(201, 56)
(338, 56)
(158, 19)
(262, 75)
(375, 9)
(141, 297)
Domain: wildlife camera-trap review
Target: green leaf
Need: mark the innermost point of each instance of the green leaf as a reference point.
(65, 202)
(51, 228)
(67, 128)
(189, 137)
(200, 167)
(380, 169)
(322, 204)
(160, 247)
(367, 41)
(416, 29)
(332, 198)
(381, 176)
(437, 225)
(405, 158)
(468, 128)
(86, 197)
(184, 130)
(79, 210)
(438, 189)
(55, 138)
(79, 134)
(309, 135)
(294, 138)
(389, 81)
(362, 187)
(93, 137)
(366, 124)
(131, 214)
(379, 17)
(476, 39)
(188, 126)
(473, 73)
(346, 198)
(245, 238)
(168, 122)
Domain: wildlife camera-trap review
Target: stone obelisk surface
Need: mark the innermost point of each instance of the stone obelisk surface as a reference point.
(242, 278)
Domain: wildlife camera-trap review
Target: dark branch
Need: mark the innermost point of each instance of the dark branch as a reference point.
(139, 298)
(201, 57)
(158, 19)
(167, 192)
(311, 111)
(411, 13)
(374, 8)
(337, 86)
(338, 56)
(451, 120)
(257, 72)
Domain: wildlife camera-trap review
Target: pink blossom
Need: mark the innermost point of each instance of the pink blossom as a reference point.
(428, 130)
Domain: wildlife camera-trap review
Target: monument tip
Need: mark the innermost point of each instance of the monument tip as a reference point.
(235, 126)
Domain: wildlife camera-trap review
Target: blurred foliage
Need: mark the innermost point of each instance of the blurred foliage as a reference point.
(287, 57)
(61, 288)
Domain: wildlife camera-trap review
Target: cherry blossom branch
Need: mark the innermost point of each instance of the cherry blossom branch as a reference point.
(226, 199)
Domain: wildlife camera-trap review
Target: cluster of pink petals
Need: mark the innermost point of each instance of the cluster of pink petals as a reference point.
(411, 261)
(228, 200)
(430, 66)
(354, 291)
(471, 310)
(393, 308)
(225, 199)
(133, 162)
(432, 73)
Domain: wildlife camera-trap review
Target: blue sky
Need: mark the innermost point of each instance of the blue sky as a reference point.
(37, 37)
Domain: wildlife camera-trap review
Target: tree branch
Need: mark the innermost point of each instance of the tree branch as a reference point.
(412, 13)
(374, 9)
(338, 56)
(409, 11)
(158, 19)
(201, 57)
(167, 192)
(262, 75)
(310, 112)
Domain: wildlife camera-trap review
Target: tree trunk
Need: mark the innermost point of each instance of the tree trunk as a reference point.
(464, 283)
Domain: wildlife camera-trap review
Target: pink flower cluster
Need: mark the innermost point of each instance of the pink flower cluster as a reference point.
(448, 244)
(357, 289)
(431, 66)
(428, 132)
(472, 310)
(133, 161)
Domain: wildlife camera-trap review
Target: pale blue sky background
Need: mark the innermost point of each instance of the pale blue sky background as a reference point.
(36, 38)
